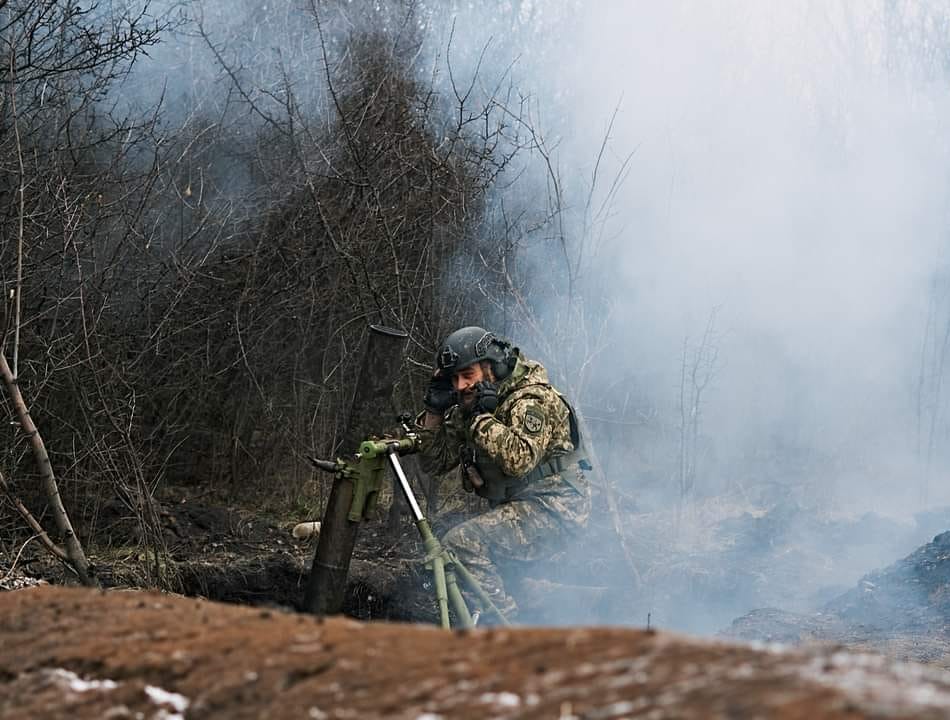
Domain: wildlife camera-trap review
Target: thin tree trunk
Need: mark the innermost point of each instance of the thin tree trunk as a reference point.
(74, 552)
(34, 524)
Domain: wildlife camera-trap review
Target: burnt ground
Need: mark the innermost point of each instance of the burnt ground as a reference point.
(786, 557)
(78, 653)
(233, 555)
(902, 610)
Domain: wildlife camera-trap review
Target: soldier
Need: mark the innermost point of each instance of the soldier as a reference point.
(493, 413)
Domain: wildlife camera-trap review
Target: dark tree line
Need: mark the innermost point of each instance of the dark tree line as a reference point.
(185, 293)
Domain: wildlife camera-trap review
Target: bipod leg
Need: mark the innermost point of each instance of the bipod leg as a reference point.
(446, 585)
(473, 585)
(442, 564)
(437, 564)
(458, 602)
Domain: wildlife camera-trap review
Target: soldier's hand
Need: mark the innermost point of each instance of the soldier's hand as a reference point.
(486, 398)
(440, 395)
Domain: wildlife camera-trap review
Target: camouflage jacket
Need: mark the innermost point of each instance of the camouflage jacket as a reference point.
(525, 445)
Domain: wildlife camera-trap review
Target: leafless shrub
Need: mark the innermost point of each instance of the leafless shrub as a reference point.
(196, 278)
(65, 228)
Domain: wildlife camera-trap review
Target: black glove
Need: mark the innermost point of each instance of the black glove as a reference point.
(440, 395)
(486, 398)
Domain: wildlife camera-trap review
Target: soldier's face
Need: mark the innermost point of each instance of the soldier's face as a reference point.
(464, 382)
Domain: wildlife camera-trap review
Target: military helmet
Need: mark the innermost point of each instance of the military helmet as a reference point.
(469, 345)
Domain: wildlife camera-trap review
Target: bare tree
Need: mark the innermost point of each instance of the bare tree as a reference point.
(929, 403)
(58, 58)
(699, 364)
(74, 553)
(194, 276)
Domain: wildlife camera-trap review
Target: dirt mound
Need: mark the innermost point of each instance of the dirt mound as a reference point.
(913, 594)
(717, 560)
(902, 610)
(71, 653)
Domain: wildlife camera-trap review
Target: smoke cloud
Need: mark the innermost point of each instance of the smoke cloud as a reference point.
(780, 224)
(781, 227)
(789, 182)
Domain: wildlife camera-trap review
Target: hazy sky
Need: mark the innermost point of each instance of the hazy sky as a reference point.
(791, 169)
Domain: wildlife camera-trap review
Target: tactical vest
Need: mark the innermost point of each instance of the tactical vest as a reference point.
(498, 487)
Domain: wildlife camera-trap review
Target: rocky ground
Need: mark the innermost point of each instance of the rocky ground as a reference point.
(75, 653)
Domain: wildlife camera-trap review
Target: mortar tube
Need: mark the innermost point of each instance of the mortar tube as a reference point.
(326, 586)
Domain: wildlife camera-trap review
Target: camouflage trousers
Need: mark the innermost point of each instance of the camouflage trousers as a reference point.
(531, 526)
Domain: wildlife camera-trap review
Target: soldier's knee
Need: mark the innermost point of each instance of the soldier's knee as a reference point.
(462, 538)
(450, 539)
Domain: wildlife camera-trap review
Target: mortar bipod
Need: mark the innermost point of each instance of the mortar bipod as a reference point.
(364, 474)
(446, 568)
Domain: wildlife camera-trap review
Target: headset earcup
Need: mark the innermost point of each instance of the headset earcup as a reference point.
(500, 369)
(503, 368)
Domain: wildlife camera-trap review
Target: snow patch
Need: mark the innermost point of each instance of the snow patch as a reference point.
(179, 703)
(772, 648)
(75, 683)
(504, 699)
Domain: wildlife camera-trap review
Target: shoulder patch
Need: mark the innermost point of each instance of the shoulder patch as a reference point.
(533, 421)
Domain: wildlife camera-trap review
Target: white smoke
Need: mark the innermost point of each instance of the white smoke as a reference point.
(788, 177)
(791, 171)
(789, 180)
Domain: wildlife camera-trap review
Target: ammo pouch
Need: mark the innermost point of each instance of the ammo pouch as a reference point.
(556, 466)
(546, 469)
(499, 491)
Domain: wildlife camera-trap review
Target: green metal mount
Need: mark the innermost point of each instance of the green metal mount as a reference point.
(365, 472)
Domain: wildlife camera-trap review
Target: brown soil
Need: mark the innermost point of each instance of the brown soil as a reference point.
(74, 653)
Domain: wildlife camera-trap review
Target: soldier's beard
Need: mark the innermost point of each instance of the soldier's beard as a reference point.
(467, 399)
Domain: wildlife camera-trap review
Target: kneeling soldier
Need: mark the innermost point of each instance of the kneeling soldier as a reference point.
(493, 413)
